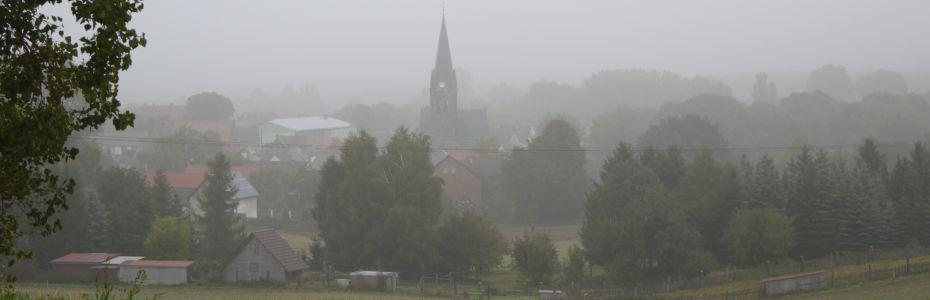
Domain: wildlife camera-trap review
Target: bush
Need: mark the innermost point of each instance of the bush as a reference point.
(754, 236)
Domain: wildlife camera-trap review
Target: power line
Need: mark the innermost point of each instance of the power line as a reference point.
(318, 147)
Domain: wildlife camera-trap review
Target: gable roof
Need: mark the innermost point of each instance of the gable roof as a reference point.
(83, 258)
(245, 189)
(311, 123)
(279, 249)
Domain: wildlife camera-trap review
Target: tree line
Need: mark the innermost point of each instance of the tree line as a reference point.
(654, 216)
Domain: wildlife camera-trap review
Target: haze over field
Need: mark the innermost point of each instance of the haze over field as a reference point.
(373, 51)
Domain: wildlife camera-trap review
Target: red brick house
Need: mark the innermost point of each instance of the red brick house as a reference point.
(461, 186)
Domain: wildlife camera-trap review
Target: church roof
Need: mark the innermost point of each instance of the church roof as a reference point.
(443, 54)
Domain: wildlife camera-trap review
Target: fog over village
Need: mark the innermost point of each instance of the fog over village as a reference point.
(464, 149)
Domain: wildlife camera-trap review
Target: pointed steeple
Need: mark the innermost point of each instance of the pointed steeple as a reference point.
(443, 54)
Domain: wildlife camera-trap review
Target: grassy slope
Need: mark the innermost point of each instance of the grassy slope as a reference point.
(910, 287)
(71, 291)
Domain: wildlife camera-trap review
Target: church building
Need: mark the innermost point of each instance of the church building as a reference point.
(442, 120)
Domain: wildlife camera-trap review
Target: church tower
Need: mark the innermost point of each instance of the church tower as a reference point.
(443, 121)
(443, 95)
(443, 90)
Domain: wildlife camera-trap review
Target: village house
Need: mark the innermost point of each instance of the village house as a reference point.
(80, 263)
(264, 256)
(187, 185)
(467, 179)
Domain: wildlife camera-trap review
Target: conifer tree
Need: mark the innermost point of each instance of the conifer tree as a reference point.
(166, 202)
(221, 229)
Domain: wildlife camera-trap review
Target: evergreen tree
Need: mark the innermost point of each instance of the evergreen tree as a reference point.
(128, 206)
(547, 180)
(872, 158)
(221, 229)
(166, 202)
(765, 192)
(668, 165)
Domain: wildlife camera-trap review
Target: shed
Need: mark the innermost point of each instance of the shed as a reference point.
(80, 263)
(792, 283)
(374, 280)
(156, 271)
(264, 256)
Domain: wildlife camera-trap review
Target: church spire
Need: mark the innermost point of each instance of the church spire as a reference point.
(443, 54)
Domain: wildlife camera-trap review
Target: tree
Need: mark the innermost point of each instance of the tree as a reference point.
(184, 147)
(708, 194)
(636, 229)
(690, 132)
(209, 106)
(872, 158)
(547, 180)
(166, 202)
(221, 229)
(758, 235)
(832, 80)
(763, 91)
(910, 189)
(882, 81)
(129, 210)
(52, 85)
(535, 257)
(469, 244)
(169, 238)
(573, 268)
(286, 191)
(350, 209)
(409, 240)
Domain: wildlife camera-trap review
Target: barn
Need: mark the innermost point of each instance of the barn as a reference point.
(264, 256)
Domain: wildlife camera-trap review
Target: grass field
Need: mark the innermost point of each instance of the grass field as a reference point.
(70, 291)
(909, 287)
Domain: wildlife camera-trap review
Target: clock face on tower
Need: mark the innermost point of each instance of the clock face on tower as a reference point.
(442, 85)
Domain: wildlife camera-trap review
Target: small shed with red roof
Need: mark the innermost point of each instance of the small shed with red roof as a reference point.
(156, 271)
(80, 263)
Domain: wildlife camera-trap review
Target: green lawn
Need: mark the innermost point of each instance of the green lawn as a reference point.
(909, 287)
(72, 291)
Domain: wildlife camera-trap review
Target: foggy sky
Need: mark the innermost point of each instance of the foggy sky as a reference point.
(374, 51)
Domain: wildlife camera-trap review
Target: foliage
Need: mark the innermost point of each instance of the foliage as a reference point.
(687, 131)
(169, 238)
(470, 244)
(763, 91)
(546, 181)
(184, 147)
(286, 191)
(220, 228)
(639, 230)
(381, 210)
(166, 202)
(832, 80)
(573, 275)
(52, 85)
(758, 235)
(128, 209)
(209, 106)
(535, 257)
(882, 81)
(708, 193)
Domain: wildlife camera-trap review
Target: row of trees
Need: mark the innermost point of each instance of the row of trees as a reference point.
(653, 216)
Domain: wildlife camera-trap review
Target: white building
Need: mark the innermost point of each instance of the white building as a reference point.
(246, 197)
(156, 271)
